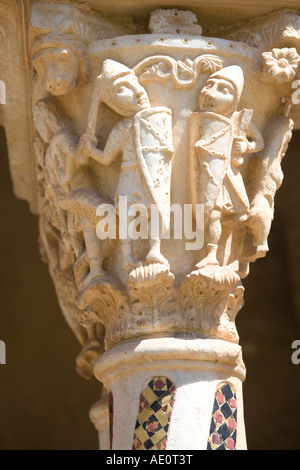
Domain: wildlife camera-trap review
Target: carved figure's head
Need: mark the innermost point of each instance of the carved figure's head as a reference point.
(60, 61)
(223, 90)
(121, 90)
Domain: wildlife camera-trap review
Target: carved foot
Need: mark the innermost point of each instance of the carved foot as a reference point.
(221, 276)
(155, 257)
(88, 295)
(129, 264)
(208, 261)
(261, 251)
(92, 278)
(149, 275)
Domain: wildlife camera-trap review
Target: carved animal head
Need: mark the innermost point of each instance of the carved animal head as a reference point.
(61, 61)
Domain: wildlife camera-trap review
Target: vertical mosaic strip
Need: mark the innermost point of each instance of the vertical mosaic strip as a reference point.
(111, 417)
(155, 410)
(224, 419)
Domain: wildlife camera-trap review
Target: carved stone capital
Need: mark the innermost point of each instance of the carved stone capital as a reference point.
(157, 150)
(160, 119)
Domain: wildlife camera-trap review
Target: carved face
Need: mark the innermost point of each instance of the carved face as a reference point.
(129, 95)
(58, 69)
(218, 96)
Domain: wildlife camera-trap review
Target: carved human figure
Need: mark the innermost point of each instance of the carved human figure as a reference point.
(71, 194)
(144, 138)
(220, 136)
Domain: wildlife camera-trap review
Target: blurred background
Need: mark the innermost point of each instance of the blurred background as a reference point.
(44, 404)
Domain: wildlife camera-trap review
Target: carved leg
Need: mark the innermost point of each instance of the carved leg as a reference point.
(127, 254)
(213, 235)
(95, 256)
(154, 255)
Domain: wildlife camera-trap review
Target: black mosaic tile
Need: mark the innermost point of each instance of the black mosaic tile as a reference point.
(224, 431)
(226, 410)
(226, 390)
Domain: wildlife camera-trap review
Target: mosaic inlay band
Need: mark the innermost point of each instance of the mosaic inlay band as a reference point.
(111, 417)
(224, 419)
(155, 410)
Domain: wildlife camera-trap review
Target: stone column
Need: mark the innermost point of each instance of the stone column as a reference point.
(179, 392)
(100, 416)
(152, 158)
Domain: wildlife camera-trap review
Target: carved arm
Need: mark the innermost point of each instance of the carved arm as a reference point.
(87, 147)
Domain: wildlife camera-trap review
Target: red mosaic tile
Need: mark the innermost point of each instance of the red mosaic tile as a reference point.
(143, 404)
(233, 403)
(138, 444)
(151, 427)
(230, 444)
(159, 384)
(231, 423)
(162, 445)
(220, 397)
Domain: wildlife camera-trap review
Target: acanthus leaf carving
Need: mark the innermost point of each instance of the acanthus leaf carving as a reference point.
(277, 29)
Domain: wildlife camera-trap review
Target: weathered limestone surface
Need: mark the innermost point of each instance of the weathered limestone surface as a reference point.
(141, 117)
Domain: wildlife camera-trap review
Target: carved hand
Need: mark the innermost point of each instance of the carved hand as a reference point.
(198, 145)
(237, 160)
(240, 146)
(170, 153)
(86, 146)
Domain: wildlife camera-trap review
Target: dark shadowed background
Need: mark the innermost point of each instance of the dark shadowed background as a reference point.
(44, 404)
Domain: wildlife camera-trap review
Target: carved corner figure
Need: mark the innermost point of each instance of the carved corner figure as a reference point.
(71, 191)
(144, 138)
(67, 189)
(220, 137)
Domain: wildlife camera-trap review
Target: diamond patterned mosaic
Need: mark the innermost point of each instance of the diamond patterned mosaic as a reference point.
(224, 419)
(111, 417)
(155, 410)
